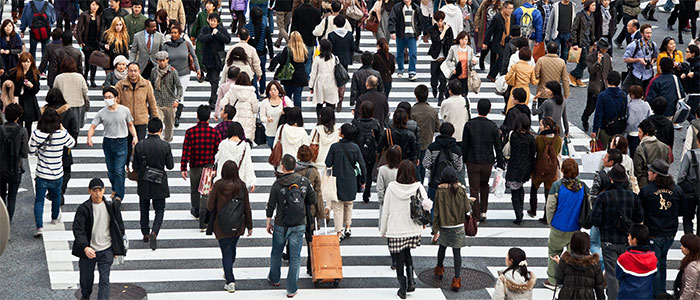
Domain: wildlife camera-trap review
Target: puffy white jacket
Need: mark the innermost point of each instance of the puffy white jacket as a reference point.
(396, 219)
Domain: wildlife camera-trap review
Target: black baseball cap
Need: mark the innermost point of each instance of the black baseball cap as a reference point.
(96, 183)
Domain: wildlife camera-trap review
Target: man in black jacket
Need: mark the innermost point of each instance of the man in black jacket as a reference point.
(214, 37)
(67, 51)
(359, 78)
(404, 26)
(98, 230)
(381, 105)
(521, 107)
(480, 139)
(304, 20)
(152, 153)
(496, 38)
(664, 127)
(441, 39)
(50, 50)
(662, 201)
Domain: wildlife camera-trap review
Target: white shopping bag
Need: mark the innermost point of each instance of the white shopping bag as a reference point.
(591, 160)
(498, 186)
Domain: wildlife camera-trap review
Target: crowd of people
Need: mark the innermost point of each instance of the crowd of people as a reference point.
(149, 58)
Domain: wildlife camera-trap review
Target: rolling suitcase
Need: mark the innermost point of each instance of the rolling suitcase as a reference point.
(326, 262)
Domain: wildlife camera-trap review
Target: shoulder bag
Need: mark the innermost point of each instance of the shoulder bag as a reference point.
(100, 59)
(473, 80)
(341, 75)
(315, 146)
(205, 182)
(190, 59)
(506, 147)
(353, 11)
(276, 155)
(286, 72)
(682, 108)
(382, 157)
(152, 175)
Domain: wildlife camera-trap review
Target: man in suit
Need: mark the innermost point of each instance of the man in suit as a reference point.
(145, 46)
(66, 51)
(497, 36)
(630, 34)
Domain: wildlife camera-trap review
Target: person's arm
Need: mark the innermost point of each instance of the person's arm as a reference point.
(45, 61)
(179, 91)
(688, 142)
(565, 120)
(134, 50)
(690, 281)
(136, 162)
(181, 14)
(386, 207)
(151, 99)
(80, 236)
(575, 31)
(256, 65)
(552, 200)
(598, 115)
(331, 156)
(169, 161)
(392, 21)
(132, 130)
(205, 35)
(685, 166)
(539, 28)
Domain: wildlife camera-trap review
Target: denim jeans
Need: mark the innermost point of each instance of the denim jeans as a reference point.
(632, 144)
(581, 66)
(596, 246)
(669, 6)
(271, 20)
(401, 44)
(32, 46)
(420, 170)
(270, 141)
(309, 60)
(387, 90)
(294, 92)
(54, 188)
(104, 261)
(260, 87)
(228, 256)
(116, 152)
(8, 193)
(562, 40)
(280, 237)
(144, 209)
(660, 245)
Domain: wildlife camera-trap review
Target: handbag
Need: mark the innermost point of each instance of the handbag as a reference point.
(382, 157)
(341, 75)
(205, 182)
(539, 51)
(152, 175)
(585, 215)
(314, 147)
(682, 108)
(501, 85)
(353, 11)
(276, 155)
(190, 59)
(473, 80)
(506, 147)
(286, 72)
(471, 225)
(99, 59)
(372, 24)
(574, 55)
(260, 137)
(329, 190)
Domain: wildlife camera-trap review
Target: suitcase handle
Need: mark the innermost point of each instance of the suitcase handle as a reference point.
(325, 225)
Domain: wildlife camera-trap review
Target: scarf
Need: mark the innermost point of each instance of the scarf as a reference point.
(606, 13)
(119, 75)
(160, 73)
(572, 184)
(506, 33)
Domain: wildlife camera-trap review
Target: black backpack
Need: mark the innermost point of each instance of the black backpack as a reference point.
(40, 26)
(232, 215)
(690, 183)
(294, 207)
(366, 140)
(442, 161)
(10, 160)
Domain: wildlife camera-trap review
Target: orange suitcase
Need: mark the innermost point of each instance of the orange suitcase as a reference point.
(326, 262)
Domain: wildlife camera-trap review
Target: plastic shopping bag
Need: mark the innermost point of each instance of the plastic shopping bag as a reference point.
(591, 160)
(498, 187)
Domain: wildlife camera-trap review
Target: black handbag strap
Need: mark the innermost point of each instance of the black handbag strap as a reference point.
(347, 156)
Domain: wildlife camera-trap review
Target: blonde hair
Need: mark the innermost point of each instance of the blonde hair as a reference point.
(8, 93)
(298, 48)
(120, 39)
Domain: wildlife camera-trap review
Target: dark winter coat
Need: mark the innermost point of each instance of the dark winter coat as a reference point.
(364, 125)
(299, 77)
(343, 46)
(692, 85)
(213, 44)
(155, 153)
(46, 59)
(480, 138)
(661, 209)
(664, 129)
(433, 152)
(397, 22)
(276, 200)
(609, 105)
(344, 169)
(522, 157)
(83, 27)
(15, 46)
(581, 277)
(402, 137)
(385, 66)
(304, 20)
(221, 193)
(108, 15)
(26, 95)
(598, 20)
(359, 83)
(381, 105)
(82, 227)
(664, 85)
(513, 112)
(439, 42)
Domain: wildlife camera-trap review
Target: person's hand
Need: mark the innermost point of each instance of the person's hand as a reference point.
(691, 74)
(250, 232)
(476, 30)
(683, 76)
(199, 74)
(435, 237)
(467, 17)
(21, 35)
(484, 47)
(215, 31)
(641, 60)
(269, 228)
(270, 120)
(134, 142)
(184, 175)
(107, 47)
(393, 36)
(555, 258)
(252, 189)
(28, 83)
(175, 104)
(90, 253)
(62, 128)
(327, 211)
(593, 135)
(600, 57)
(574, 47)
(89, 141)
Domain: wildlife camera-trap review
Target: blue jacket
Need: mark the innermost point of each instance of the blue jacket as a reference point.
(664, 86)
(635, 272)
(610, 104)
(537, 20)
(28, 14)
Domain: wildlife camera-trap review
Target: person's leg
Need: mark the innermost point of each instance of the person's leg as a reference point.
(104, 265)
(496, 60)
(412, 55)
(337, 208)
(688, 215)
(295, 237)
(347, 213)
(633, 142)
(564, 38)
(263, 78)
(41, 185)
(195, 176)
(434, 78)
(54, 191)
(159, 207)
(67, 171)
(270, 141)
(555, 245)
(278, 242)
(485, 171)
(144, 208)
(168, 122)
(660, 246)
(465, 86)
(9, 194)
(581, 66)
(203, 209)
(610, 255)
(400, 46)
(32, 45)
(280, 17)
(693, 102)
(387, 89)
(596, 246)
(310, 50)
(474, 179)
(421, 168)
(226, 246)
(368, 180)
(517, 200)
(213, 78)
(533, 196)
(592, 98)
(87, 276)
(120, 157)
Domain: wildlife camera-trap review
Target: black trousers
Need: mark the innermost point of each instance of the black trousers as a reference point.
(591, 101)
(496, 61)
(213, 78)
(689, 214)
(144, 208)
(141, 134)
(630, 80)
(437, 80)
(517, 197)
(686, 14)
(87, 50)
(368, 179)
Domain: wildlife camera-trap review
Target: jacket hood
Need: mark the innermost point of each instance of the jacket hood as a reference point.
(657, 119)
(446, 141)
(576, 260)
(243, 92)
(522, 108)
(403, 192)
(638, 261)
(341, 32)
(515, 282)
(323, 137)
(302, 165)
(452, 11)
(294, 135)
(228, 148)
(571, 184)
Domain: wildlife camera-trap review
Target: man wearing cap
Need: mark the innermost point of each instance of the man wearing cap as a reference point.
(617, 200)
(98, 230)
(649, 149)
(599, 66)
(662, 200)
(167, 89)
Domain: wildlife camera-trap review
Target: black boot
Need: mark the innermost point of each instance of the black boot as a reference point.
(410, 283)
(481, 61)
(178, 113)
(92, 82)
(402, 287)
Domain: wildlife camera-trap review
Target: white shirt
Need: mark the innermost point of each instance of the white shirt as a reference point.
(100, 239)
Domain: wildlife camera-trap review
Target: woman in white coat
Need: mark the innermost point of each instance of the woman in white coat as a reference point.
(386, 175)
(238, 150)
(242, 97)
(398, 227)
(292, 135)
(461, 55)
(324, 134)
(322, 78)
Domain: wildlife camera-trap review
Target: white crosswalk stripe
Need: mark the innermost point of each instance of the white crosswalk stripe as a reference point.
(192, 260)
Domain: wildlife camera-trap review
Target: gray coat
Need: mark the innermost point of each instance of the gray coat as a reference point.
(139, 52)
(343, 169)
(155, 153)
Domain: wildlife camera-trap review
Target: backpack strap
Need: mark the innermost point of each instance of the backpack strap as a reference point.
(43, 8)
(33, 6)
(242, 156)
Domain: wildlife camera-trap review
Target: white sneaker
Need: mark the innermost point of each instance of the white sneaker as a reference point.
(39, 232)
(57, 220)
(231, 287)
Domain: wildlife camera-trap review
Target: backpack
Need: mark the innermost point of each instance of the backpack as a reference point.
(690, 183)
(232, 215)
(40, 26)
(367, 142)
(418, 214)
(10, 160)
(294, 207)
(443, 160)
(547, 164)
(527, 27)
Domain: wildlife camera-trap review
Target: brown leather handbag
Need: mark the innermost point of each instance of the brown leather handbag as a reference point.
(276, 155)
(315, 146)
(100, 59)
(382, 157)
(471, 225)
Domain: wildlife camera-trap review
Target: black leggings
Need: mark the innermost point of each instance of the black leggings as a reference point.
(403, 258)
(89, 69)
(456, 252)
(321, 105)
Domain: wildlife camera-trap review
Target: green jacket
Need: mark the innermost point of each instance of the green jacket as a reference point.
(450, 208)
(649, 149)
(200, 23)
(134, 24)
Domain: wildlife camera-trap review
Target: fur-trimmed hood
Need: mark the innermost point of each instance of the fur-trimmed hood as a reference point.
(515, 282)
(580, 260)
(60, 110)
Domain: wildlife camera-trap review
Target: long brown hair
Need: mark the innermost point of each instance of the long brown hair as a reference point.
(692, 243)
(406, 173)
(229, 174)
(33, 71)
(383, 47)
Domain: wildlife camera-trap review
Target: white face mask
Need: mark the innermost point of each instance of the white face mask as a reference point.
(109, 102)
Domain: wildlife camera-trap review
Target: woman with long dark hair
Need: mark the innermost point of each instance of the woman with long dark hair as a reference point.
(88, 36)
(272, 109)
(69, 120)
(399, 134)
(235, 148)
(687, 284)
(385, 175)
(292, 134)
(10, 45)
(324, 135)
(385, 63)
(521, 163)
(578, 271)
(554, 107)
(229, 187)
(322, 79)
(74, 89)
(239, 59)
(668, 49)
(25, 77)
(450, 209)
(515, 282)
(402, 232)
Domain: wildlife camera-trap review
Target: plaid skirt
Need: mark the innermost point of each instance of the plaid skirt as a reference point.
(397, 245)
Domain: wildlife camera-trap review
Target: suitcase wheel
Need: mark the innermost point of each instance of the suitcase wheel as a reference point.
(317, 283)
(336, 282)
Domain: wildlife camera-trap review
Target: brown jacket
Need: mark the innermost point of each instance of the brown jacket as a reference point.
(428, 121)
(690, 288)
(221, 193)
(551, 67)
(174, 8)
(138, 100)
(539, 144)
(81, 30)
(521, 75)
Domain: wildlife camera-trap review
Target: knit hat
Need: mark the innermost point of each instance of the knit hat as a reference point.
(617, 173)
(161, 55)
(120, 59)
(448, 175)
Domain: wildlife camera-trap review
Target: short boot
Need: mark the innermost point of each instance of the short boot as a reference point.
(410, 282)
(482, 62)
(178, 113)
(402, 287)
(439, 271)
(456, 284)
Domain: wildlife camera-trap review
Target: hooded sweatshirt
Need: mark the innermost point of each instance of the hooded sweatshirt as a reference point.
(433, 151)
(292, 138)
(324, 140)
(513, 285)
(453, 17)
(240, 153)
(635, 271)
(396, 219)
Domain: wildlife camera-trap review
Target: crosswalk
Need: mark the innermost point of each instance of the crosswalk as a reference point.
(187, 264)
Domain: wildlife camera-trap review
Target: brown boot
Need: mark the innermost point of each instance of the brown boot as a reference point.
(439, 271)
(15, 17)
(456, 284)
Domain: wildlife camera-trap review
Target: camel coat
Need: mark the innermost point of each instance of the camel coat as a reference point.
(521, 75)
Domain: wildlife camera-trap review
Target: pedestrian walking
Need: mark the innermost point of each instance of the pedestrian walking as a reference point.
(578, 271)
(496, 37)
(299, 56)
(649, 149)
(12, 175)
(637, 111)
(582, 37)
(404, 25)
(167, 91)
(115, 40)
(515, 282)
(322, 84)
(234, 148)
(599, 67)
(560, 26)
(272, 109)
(456, 109)
(42, 12)
(213, 39)
(74, 89)
(686, 284)
(552, 68)
(521, 75)
(641, 55)
(688, 174)
(546, 170)
(292, 134)
(25, 78)
(636, 267)
(554, 107)
(385, 63)
(54, 99)
(520, 164)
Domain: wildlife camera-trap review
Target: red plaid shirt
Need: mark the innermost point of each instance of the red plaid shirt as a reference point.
(200, 146)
